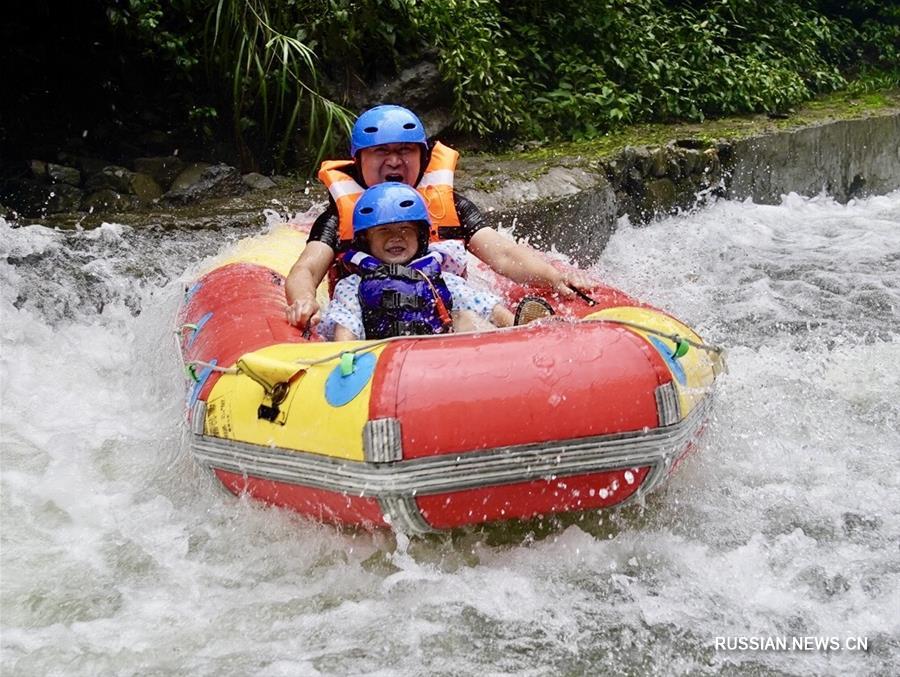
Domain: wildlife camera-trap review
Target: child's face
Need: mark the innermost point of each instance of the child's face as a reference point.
(394, 242)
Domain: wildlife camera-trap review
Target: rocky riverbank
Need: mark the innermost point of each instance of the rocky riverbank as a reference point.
(570, 195)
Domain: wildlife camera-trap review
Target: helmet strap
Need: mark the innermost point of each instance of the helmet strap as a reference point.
(357, 163)
(361, 243)
(424, 159)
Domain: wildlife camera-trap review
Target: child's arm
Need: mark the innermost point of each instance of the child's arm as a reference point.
(501, 316)
(482, 304)
(341, 333)
(343, 317)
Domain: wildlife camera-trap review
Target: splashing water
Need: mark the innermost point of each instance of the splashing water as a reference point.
(120, 556)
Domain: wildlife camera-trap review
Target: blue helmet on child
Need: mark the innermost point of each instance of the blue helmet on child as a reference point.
(388, 202)
(386, 124)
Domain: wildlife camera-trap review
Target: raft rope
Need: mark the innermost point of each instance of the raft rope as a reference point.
(344, 356)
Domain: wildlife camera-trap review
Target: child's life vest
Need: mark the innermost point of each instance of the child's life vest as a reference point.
(401, 299)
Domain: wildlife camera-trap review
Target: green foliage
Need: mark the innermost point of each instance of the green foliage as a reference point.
(251, 65)
(570, 68)
(482, 71)
(515, 68)
(164, 31)
(273, 77)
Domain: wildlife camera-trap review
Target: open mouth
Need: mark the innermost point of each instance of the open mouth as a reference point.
(394, 177)
(395, 250)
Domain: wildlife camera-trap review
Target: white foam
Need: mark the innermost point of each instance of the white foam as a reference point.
(118, 552)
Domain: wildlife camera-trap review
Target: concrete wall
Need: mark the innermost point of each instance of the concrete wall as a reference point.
(575, 203)
(846, 158)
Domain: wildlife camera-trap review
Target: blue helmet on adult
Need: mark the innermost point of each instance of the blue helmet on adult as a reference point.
(386, 203)
(386, 124)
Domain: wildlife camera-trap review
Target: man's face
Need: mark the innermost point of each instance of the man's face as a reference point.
(399, 162)
(394, 242)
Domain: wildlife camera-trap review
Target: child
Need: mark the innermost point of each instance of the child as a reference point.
(400, 285)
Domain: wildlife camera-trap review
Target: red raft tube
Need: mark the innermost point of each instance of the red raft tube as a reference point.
(586, 410)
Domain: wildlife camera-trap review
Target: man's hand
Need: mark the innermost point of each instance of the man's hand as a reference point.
(567, 281)
(303, 313)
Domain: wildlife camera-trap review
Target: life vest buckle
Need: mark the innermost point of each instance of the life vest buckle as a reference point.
(393, 299)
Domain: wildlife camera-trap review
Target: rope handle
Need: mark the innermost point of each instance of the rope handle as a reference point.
(681, 346)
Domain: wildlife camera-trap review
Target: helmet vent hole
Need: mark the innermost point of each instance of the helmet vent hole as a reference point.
(409, 125)
(366, 210)
(406, 204)
(370, 130)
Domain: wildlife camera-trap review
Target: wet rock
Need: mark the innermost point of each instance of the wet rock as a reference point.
(820, 584)
(107, 200)
(504, 188)
(62, 174)
(35, 198)
(634, 181)
(615, 170)
(659, 197)
(710, 162)
(25, 196)
(690, 161)
(642, 160)
(214, 181)
(857, 187)
(567, 206)
(659, 162)
(418, 87)
(854, 523)
(437, 120)
(91, 165)
(255, 181)
(581, 225)
(162, 169)
(189, 175)
(63, 198)
(111, 177)
(281, 180)
(673, 166)
(145, 188)
(124, 182)
(38, 169)
(625, 204)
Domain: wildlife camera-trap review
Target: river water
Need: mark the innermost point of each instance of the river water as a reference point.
(121, 557)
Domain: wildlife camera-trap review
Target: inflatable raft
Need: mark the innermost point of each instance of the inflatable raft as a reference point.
(581, 411)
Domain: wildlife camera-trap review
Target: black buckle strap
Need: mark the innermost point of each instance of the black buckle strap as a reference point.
(415, 328)
(398, 270)
(393, 299)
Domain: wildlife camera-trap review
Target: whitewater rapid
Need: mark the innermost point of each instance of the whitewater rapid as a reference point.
(120, 556)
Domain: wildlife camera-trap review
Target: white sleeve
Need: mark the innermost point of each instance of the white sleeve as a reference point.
(455, 256)
(344, 309)
(466, 297)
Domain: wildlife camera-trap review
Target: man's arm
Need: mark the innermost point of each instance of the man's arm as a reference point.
(521, 264)
(303, 280)
(515, 261)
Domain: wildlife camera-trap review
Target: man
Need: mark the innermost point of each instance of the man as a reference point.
(388, 143)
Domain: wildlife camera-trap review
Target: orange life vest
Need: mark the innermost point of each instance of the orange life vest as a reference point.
(436, 188)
